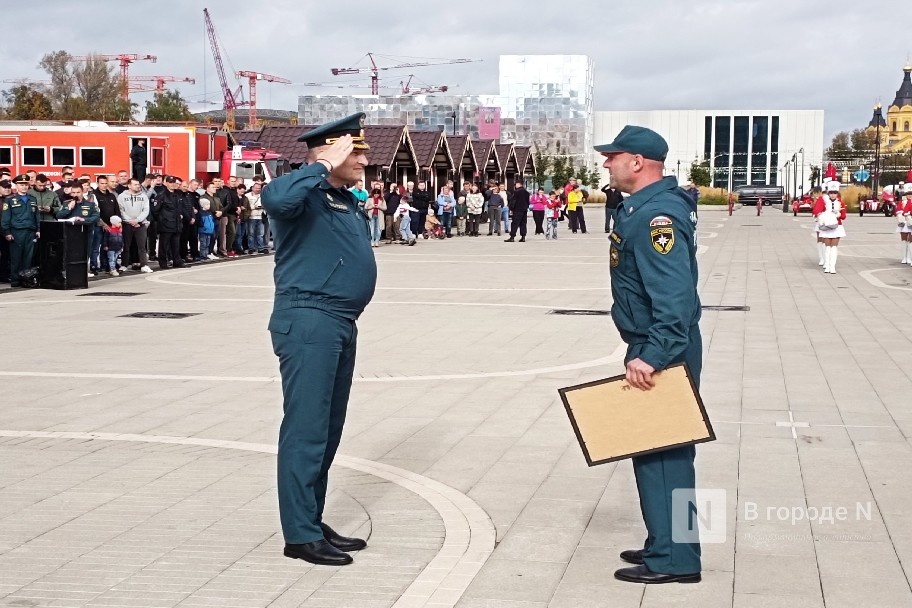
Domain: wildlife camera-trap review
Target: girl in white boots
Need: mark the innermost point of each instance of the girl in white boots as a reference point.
(904, 222)
(830, 212)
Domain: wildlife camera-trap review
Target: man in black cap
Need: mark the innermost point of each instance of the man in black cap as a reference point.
(6, 187)
(168, 214)
(20, 221)
(325, 274)
(656, 310)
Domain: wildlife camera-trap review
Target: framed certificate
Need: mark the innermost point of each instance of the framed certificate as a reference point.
(612, 420)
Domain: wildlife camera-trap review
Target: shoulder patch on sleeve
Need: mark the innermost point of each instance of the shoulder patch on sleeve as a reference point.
(660, 220)
(663, 239)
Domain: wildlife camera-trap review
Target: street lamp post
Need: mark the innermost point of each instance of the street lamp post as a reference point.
(801, 151)
(795, 173)
(876, 181)
(788, 180)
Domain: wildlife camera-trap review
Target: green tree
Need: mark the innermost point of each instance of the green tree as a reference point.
(543, 164)
(699, 173)
(840, 146)
(85, 90)
(168, 106)
(27, 103)
(862, 141)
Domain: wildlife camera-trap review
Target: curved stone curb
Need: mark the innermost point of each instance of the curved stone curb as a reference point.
(469, 537)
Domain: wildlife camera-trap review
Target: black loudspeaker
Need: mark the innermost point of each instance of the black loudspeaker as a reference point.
(63, 255)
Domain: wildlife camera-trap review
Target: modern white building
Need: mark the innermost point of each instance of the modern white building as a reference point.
(742, 146)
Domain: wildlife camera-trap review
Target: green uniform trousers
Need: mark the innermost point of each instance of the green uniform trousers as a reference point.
(658, 475)
(22, 252)
(316, 352)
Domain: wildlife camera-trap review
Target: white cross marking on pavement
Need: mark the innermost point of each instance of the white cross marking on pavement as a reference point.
(794, 425)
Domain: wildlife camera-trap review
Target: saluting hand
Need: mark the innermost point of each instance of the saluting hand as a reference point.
(639, 375)
(338, 152)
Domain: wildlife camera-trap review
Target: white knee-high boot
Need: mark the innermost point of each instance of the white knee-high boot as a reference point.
(826, 259)
(821, 248)
(834, 253)
(908, 252)
(905, 252)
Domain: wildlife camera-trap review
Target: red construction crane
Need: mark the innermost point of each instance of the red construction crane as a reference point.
(125, 59)
(252, 78)
(158, 80)
(232, 99)
(374, 69)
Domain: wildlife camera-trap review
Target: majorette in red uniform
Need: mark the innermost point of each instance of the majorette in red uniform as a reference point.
(903, 215)
(830, 235)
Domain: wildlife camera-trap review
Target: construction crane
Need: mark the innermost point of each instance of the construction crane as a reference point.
(375, 69)
(125, 59)
(233, 99)
(252, 78)
(158, 80)
(406, 90)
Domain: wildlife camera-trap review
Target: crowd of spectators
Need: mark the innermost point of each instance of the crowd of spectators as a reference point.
(163, 219)
(400, 213)
(175, 222)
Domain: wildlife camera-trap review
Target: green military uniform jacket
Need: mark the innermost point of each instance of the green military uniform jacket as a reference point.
(19, 214)
(323, 256)
(47, 199)
(654, 271)
(85, 209)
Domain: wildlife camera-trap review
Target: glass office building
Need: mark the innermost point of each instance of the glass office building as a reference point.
(543, 99)
(742, 146)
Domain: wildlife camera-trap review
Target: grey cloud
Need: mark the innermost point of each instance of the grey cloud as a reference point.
(650, 54)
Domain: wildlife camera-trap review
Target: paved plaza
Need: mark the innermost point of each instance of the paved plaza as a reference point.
(138, 454)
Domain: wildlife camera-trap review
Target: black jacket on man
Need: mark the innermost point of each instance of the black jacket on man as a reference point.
(519, 203)
(229, 199)
(392, 202)
(421, 200)
(107, 205)
(138, 155)
(168, 211)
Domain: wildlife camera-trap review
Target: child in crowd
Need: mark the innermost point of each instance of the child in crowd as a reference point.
(462, 211)
(405, 222)
(113, 243)
(552, 215)
(206, 229)
(432, 227)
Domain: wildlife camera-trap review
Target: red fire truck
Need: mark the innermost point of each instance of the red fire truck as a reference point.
(97, 148)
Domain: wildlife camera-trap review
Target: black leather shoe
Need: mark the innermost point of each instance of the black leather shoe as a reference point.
(319, 552)
(340, 542)
(522, 239)
(509, 240)
(642, 574)
(633, 556)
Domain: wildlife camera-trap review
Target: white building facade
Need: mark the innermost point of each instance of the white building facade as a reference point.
(742, 146)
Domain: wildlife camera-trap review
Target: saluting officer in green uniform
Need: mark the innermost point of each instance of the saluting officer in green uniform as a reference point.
(656, 310)
(325, 274)
(20, 227)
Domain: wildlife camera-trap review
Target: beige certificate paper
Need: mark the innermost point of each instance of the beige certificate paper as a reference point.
(612, 420)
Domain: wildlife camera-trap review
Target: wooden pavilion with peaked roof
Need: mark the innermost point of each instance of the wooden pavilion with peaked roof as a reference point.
(391, 156)
(466, 167)
(525, 161)
(507, 159)
(435, 160)
(486, 159)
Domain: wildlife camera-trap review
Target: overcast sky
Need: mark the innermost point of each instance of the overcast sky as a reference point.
(649, 54)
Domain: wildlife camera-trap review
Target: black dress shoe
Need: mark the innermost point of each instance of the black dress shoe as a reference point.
(509, 240)
(633, 556)
(318, 552)
(340, 542)
(642, 574)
